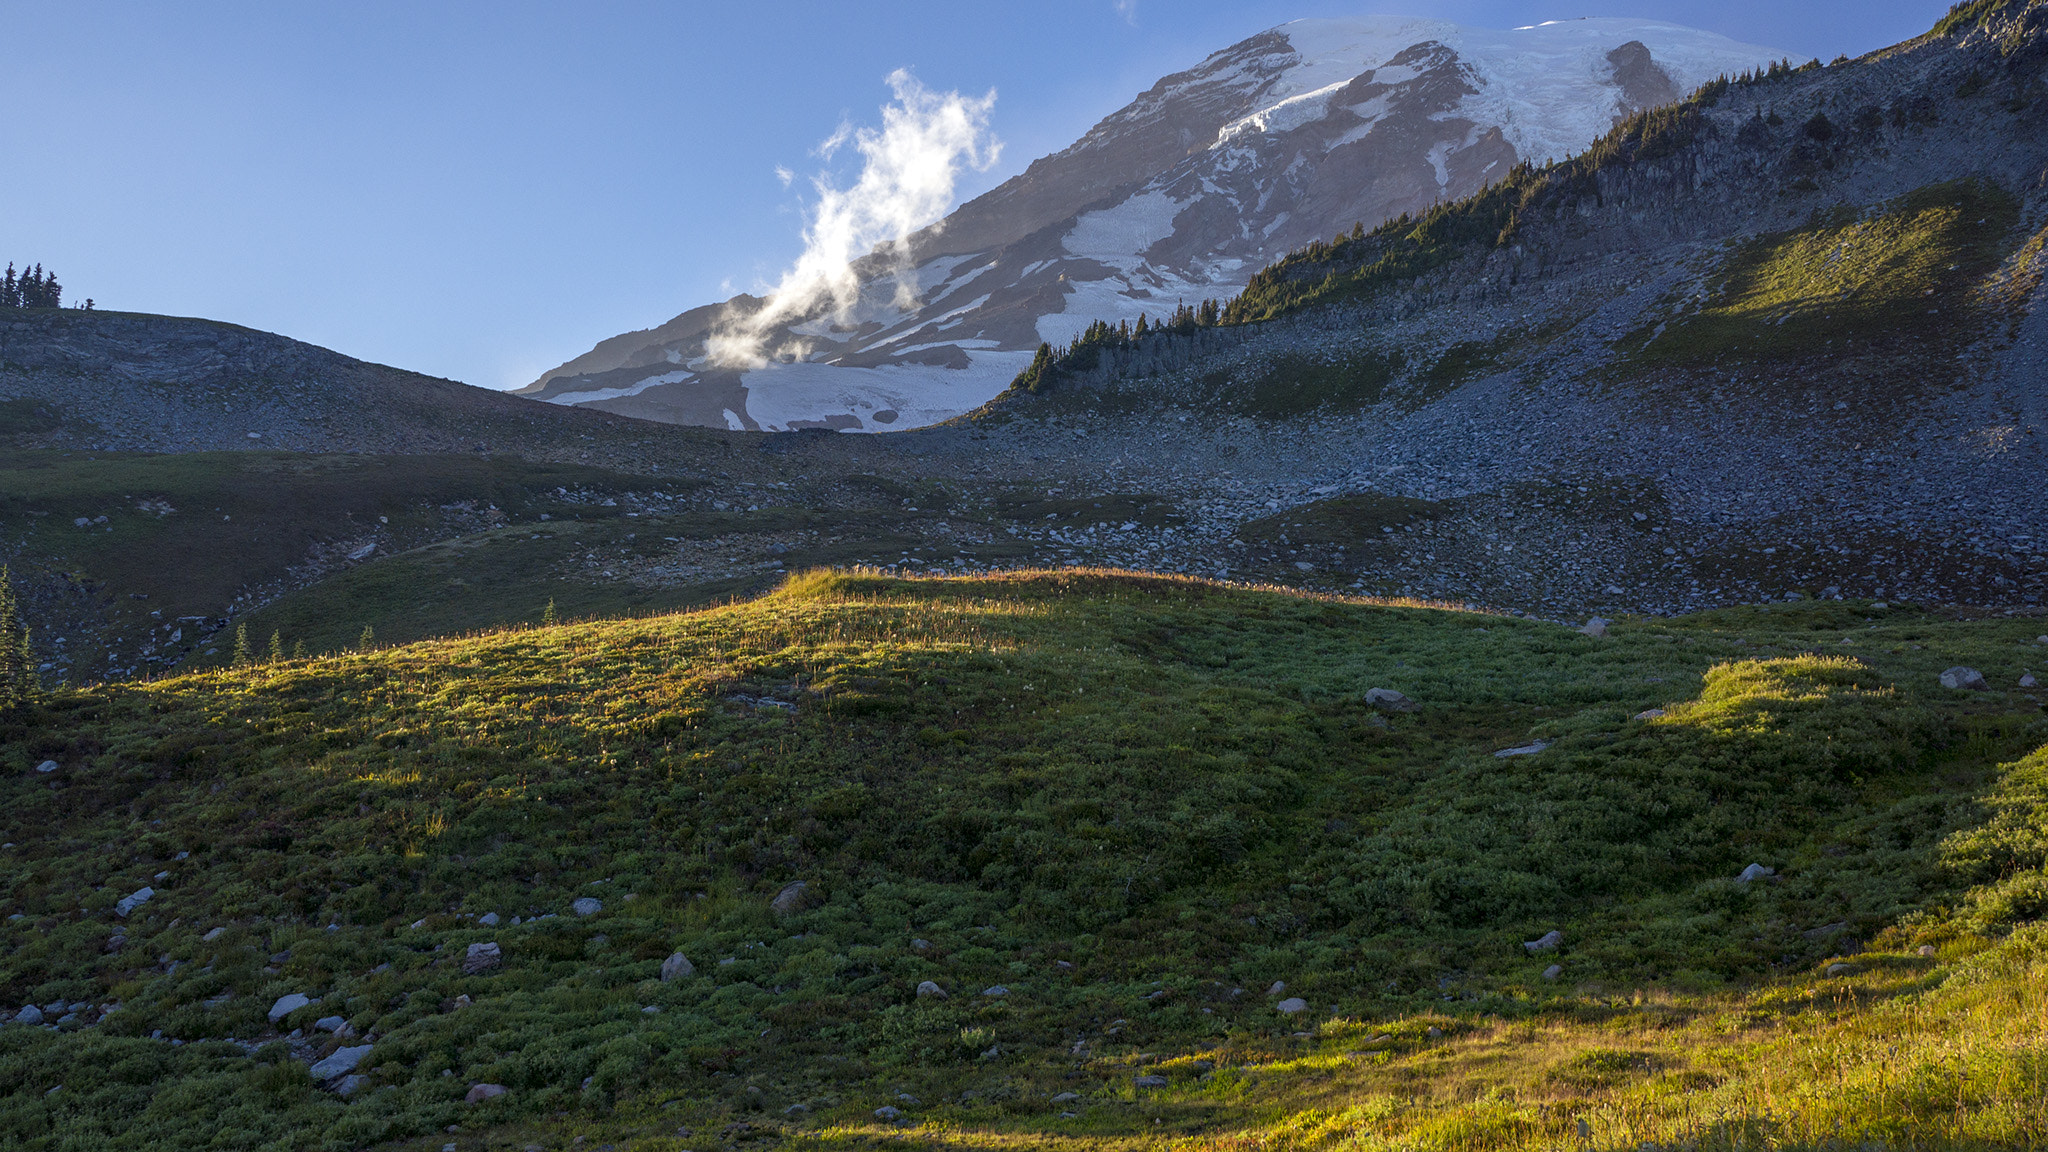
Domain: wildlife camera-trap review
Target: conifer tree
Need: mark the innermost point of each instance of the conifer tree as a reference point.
(18, 681)
(298, 649)
(242, 644)
(548, 618)
(276, 648)
(368, 638)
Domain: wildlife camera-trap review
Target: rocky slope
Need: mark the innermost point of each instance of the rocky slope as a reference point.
(1297, 133)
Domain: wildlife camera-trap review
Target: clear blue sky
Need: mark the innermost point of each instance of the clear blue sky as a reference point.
(482, 190)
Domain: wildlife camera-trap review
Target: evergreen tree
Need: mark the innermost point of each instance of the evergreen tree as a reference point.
(241, 644)
(276, 648)
(548, 618)
(18, 681)
(368, 638)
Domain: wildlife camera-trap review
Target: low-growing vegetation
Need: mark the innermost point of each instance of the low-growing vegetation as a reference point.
(1105, 814)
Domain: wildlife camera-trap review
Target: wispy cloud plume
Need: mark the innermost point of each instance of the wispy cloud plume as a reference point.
(909, 170)
(1128, 9)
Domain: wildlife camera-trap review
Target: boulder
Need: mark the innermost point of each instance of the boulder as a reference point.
(47, 766)
(134, 900)
(932, 990)
(1150, 1082)
(212, 934)
(347, 1086)
(1965, 678)
(1293, 1005)
(889, 1112)
(1066, 1098)
(341, 1063)
(997, 990)
(330, 1023)
(790, 899)
(29, 1015)
(1839, 969)
(1756, 872)
(1529, 749)
(478, 1093)
(1388, 700)
(1595, 627)
(1553, 972)
(482, 958)
(587, 906)
(1650, 714)
(488, 919)
(2027, 680)
(1278, 987)
(1926, 950)
(677, 967)
(286, 1005)
(1547, 942)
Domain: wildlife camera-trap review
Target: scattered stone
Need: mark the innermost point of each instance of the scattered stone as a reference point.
(1965, 678)
(29, 1015)
(1291, 1006)
(889, 1112)
(330, 1023)
(1530, 749)
(478, 1093)
(1825, 930)
(1151, 1082)
(1837, 969)
(286, 1005)
(1066, 1098)
(1278, 987)
(997, 990)
(1926, 950)
(587, 906)
(342, 1063)
(348, 1086)
(1547, 942)
(795, 1110)
(907, 1098)
(482, 958)
(1553, 972)
(932, 990)
(1650, 714)
(921, 945)
(488, 919)
(1595, 627)
(1434, 1033)
(790, 899)
(134, 900)
(462, 1002)
(2027, 680)
(676, 968)
(1390, 700)
(1757, 872)
(47, 766)
(212, 935)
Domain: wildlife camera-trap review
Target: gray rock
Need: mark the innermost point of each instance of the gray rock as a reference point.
(1547, 942)
(286, 1005)
(587, 906)
(1926, 950)
(1839, 969)
(932, 990)
(921, 945)
(347, 1086)
(889, 1112)
(995, 990)
(1278, 987)
(213, 934)
(1595, 627)
(482, 957)
(677, 967)
(134, 900)
(488, 919)
(341, 1063)
(1756, 872)
(790, 899)
(330, 1023)
(1965, 678)
(1291, 1006)
(1529, 749)
(1650, 714)
(2027, 680)
(1553, 972)
(47, 766)
(29, 1015)
(1066, 1098)
(1826, 930)
(1151, 1082)
(1389, 700)
(1434, 1033)
(478, 1093)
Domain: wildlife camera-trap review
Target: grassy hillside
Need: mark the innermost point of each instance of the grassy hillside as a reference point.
(1134, 804)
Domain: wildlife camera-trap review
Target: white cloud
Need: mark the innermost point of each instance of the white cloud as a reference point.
(1128, 9)
(909, 170)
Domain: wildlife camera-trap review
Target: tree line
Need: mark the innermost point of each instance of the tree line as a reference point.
(32, 288)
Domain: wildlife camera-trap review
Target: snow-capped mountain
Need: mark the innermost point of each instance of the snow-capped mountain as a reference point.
(1295, 134)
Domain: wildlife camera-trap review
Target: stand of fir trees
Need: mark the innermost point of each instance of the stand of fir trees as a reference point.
(33, 288)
